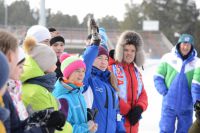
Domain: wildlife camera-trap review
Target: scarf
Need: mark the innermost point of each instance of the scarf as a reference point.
(47, 81)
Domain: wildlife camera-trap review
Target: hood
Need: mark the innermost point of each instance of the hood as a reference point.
(175, 51)
(31, 69)
(140, 54)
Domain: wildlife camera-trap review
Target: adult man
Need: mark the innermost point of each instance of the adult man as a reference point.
(57, 43)
(173, 80)
(133, 98)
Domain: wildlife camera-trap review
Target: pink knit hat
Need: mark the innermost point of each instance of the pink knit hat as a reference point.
(70, 63)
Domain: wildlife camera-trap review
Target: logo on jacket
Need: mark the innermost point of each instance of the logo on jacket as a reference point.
(187, 39)
(99, 89)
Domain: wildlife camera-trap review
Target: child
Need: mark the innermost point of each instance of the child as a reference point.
(69, 88)
(14, 87)
(38, 80)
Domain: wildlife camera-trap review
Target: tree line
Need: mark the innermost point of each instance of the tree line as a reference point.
(175, 17)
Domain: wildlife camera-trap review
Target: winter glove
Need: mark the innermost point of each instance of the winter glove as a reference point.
(96, 39)
(91, 114)
(46, 118)
(94, 31)
(197, 110)
(57, 120)
(134, 115)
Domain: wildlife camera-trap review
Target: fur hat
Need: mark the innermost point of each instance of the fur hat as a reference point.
(4, 71)
(70, 63)
(102, 51)
(44, 56)
(40, 33)
(57, 39)
(130, 37)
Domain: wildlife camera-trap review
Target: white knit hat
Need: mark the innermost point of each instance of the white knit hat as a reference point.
(40, 33)
(21, 54)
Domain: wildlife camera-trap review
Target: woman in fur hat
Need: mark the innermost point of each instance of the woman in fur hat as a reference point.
(128, 56)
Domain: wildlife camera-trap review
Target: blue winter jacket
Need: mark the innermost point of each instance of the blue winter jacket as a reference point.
(77, 114)
(173, 80)
(105, 97)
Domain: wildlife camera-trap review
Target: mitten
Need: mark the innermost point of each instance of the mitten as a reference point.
(134, 115)
(57, 120)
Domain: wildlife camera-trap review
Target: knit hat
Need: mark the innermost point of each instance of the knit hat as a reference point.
(57, 39)
(70, 63)
(44, 56)
(21, 56)
(40, 33)
(102, 51)
(4, 71)
(187, 38)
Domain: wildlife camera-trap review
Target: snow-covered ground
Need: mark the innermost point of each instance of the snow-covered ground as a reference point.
(150, 118)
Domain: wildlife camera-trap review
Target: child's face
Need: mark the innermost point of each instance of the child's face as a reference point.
(18, 71)
(77, 76)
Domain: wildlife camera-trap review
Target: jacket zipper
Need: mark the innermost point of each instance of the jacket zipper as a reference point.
(131, 91)
(82, 107)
